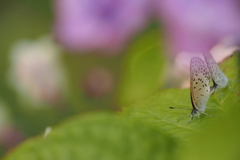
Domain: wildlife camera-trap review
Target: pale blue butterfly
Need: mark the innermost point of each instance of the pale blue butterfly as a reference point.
(218, 77)
(199, 86)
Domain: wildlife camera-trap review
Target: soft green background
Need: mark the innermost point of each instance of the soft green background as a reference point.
(145, 129)
(29, 19)
(148, 130)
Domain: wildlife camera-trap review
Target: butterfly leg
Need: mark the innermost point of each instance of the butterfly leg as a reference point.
(231, 80)
(210, 110)
(220, 94)
(229, 86)
(213, 89)
(191, 118)
(206, 114)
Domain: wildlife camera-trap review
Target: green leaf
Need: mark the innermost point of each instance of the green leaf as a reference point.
(155, 109)
(99, 136)
(143, 68)
(218, 141)
(227, 96)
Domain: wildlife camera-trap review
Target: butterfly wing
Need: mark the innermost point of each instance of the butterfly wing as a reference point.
(199, 84)
(219, 78)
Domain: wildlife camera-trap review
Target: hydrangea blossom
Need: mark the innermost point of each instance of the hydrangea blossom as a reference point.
(98, 24)
(196, 26)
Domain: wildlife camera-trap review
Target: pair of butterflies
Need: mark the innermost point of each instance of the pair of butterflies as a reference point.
(200, 76)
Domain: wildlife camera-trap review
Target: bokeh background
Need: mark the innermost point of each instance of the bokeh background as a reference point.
(64, 57)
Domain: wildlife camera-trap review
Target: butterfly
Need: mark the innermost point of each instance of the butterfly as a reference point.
(218, 77)
(199, 87)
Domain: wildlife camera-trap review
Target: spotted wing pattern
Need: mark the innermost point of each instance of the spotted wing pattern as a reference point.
(199, 84)
(219, 78)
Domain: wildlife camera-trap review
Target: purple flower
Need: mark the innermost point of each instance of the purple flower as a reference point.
(194, 26)
(98, 24)
(198, 25)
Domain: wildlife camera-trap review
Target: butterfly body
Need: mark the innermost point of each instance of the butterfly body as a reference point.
(199, 86)
(218, 77)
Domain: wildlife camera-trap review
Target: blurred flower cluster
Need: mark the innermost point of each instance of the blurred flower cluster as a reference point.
(191, 26)
(98, 24)
(196, 26)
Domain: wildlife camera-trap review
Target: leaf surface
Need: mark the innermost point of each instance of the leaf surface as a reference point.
(155, 109)
(142, 68)
(100, 136)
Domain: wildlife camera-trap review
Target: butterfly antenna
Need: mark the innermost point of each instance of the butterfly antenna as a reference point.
(179, 108)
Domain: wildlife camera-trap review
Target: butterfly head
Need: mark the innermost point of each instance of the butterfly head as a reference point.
(194, 112)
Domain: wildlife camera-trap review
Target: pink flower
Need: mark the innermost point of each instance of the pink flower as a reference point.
(198, 25)
(98, 24)
(194, 26)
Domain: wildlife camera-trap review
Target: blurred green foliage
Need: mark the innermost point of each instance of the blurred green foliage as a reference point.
(99, 136)
(28, 19)
(141, 130)
(147, 129)
(20, 20)
(143, 68)
(218, 141)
